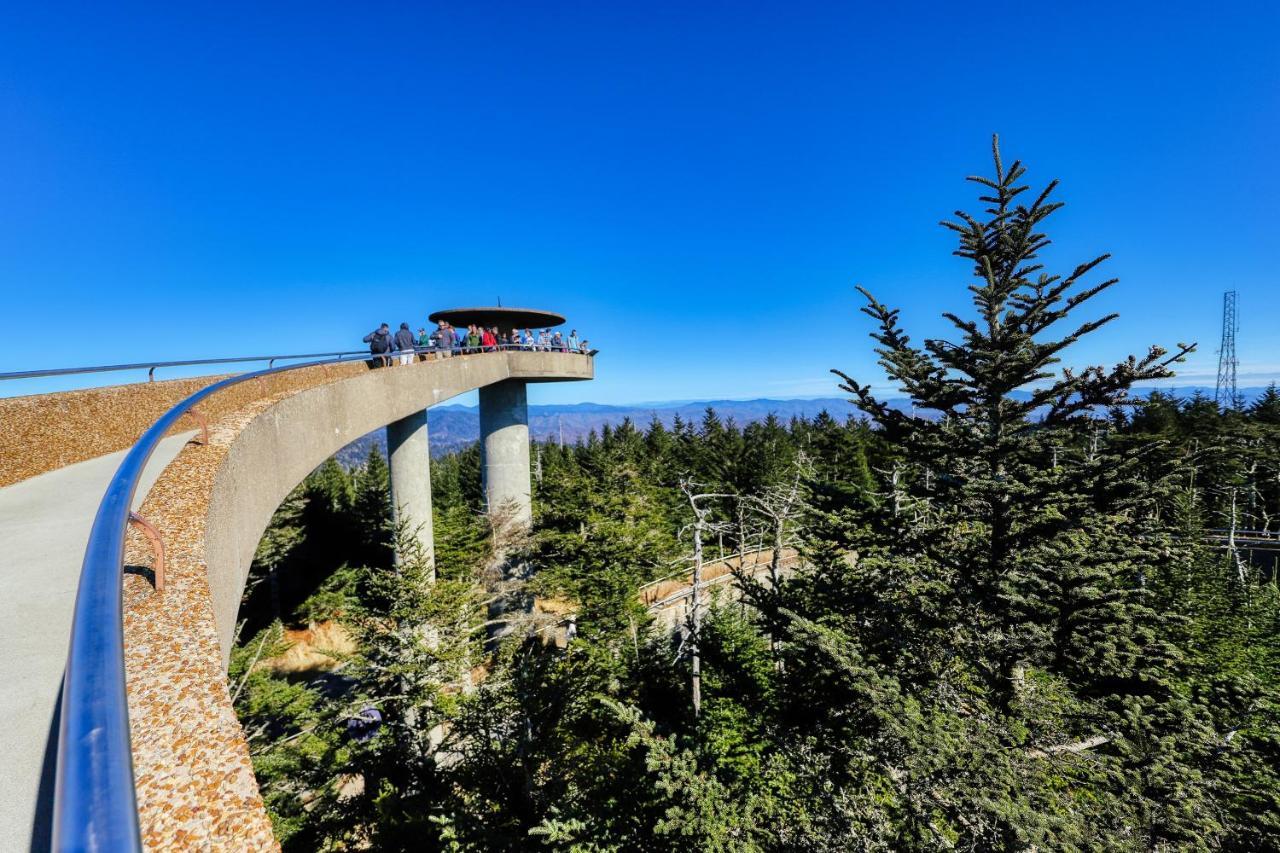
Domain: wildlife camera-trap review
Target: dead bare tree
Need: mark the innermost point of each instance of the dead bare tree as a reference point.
(779, 505)
(702, 524)
(1231, 543)
(896, 491)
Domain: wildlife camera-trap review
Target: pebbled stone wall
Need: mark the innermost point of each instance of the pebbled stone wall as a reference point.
(42, 432)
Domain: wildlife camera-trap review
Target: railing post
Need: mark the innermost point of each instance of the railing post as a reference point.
(157, 546)
(204, 424)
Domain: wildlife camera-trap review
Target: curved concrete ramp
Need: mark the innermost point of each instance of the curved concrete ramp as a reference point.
(195, 783)
(44, 526)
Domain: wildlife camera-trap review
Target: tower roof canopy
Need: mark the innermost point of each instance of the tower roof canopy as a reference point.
(503, 318)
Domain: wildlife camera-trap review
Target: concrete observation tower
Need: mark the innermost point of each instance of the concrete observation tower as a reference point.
(504, 434)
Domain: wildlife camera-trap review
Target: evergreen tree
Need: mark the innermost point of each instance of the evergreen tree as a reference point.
(1157, 414)
(371, 511)
(418, 635)
(998, 598)
(1266, 409)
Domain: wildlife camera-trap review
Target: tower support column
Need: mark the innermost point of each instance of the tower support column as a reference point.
(409, 454)
(504, 446)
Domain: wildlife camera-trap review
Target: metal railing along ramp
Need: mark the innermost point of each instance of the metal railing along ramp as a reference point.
(324, 358)
(152, 366)
(94, 802)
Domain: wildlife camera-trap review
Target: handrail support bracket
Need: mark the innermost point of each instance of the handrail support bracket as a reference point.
(204, 424)
(157, 546)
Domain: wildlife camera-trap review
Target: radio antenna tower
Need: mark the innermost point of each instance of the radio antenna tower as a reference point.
(1225, 394)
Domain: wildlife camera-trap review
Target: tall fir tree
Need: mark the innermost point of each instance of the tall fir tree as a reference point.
(997, 612)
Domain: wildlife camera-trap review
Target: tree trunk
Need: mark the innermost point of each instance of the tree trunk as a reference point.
(695, 620)
(775, 576)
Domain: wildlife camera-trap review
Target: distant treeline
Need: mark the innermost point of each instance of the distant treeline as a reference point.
(455, 427)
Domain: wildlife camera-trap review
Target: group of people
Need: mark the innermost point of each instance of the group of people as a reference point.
(404, 346)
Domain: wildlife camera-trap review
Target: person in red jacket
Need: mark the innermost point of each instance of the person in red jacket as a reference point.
(488, 340)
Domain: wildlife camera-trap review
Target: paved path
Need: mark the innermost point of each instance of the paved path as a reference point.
(44, 527)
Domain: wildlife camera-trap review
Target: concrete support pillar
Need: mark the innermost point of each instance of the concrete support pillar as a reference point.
(504, 445)
(410, 456)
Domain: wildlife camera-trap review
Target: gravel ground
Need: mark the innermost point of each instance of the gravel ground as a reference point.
(47, 431)
(41, 432)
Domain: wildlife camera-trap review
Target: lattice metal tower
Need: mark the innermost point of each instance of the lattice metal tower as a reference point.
(1225, 394)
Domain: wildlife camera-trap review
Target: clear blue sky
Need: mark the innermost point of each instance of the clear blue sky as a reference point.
(697, 185)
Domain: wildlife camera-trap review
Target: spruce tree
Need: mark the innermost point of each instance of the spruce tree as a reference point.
(1266, 409)
(371, 511)
(1004, 666)
(417, 637)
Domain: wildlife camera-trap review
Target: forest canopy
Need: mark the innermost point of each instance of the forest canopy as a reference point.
(1025, 617)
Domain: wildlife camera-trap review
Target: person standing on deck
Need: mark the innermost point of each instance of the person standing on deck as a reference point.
(444, 340)
(379, 341)
(404, 343)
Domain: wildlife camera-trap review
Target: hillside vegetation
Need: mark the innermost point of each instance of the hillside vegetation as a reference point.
(1012, 628)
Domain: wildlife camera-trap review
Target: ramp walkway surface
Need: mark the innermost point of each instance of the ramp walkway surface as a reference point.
(44, 527)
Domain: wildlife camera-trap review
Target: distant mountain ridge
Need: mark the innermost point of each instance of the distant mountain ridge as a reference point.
(454, 427)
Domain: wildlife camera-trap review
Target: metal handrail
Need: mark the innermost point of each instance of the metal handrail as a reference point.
(94, 803)
(508, 347)
(150, 366)
(1239, 531)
